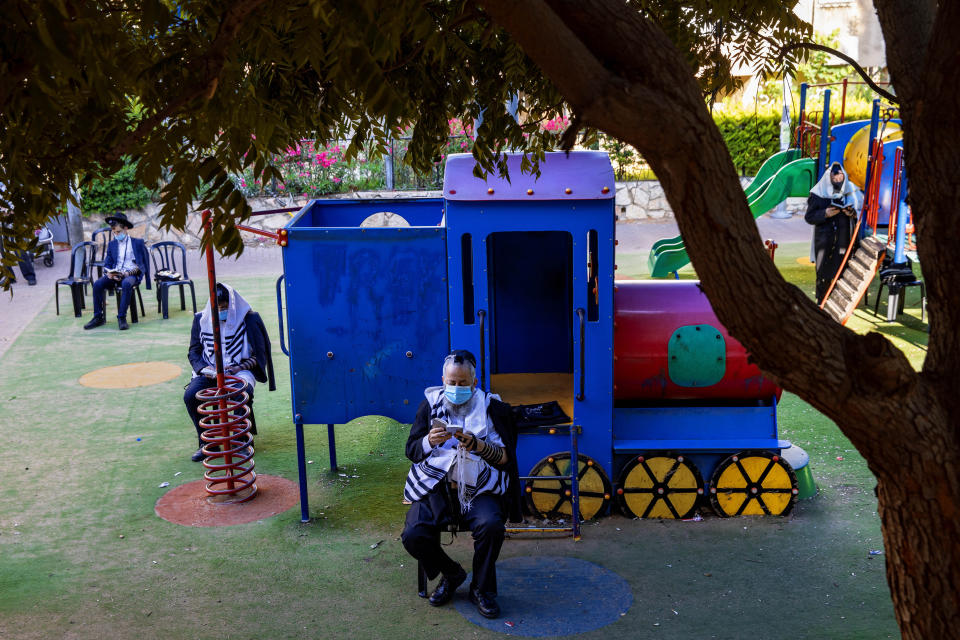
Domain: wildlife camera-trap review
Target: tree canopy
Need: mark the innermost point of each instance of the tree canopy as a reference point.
(196, 90)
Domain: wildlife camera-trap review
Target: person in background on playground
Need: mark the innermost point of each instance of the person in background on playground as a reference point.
(463, 473)
(246, 352)
(125, 266)
(24, 258)
(833, 206)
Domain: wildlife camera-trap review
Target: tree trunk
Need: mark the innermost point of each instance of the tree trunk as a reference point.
(74, 220)
(621, 74)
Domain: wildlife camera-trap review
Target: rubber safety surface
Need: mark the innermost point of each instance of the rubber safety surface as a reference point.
(551, 596)
(190, 505)
(127, 376)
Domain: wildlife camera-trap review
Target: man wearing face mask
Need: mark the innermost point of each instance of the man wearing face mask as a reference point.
(125, 266)
(246, 352)
(833, 206)
(462, 472)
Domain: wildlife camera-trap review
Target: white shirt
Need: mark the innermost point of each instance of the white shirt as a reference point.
(125, 256)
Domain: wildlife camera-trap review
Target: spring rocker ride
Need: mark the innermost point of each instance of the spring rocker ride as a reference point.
(227, 493)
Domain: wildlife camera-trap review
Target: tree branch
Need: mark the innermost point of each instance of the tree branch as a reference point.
(204, 85)
(853, 63)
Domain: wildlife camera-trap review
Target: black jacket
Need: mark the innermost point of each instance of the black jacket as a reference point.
(139, 254)
(504, 422)
(832, 235)
(259, 348)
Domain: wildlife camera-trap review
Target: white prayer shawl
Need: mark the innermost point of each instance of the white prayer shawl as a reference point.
(848, 194)
(450, 458)
(126, 260)
(233, 335)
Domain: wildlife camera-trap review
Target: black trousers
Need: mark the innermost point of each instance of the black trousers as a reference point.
(425, 520)
(104, 284)
(190, 400)
(25, 261)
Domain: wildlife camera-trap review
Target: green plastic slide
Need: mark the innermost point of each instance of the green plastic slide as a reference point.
(784, 175)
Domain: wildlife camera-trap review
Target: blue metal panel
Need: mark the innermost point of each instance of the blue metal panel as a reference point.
(367, 317)
(582, 175)
(676, 426)
(418, 212)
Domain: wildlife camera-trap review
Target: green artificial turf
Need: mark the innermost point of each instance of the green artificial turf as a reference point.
(82, 554)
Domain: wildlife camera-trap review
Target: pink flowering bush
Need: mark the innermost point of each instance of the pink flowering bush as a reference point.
(308, 170)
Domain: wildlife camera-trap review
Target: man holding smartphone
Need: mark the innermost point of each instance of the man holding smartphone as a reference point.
(461, 445)
(832, 207)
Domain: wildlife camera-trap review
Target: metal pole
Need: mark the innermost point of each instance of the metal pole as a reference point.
(388, 166)
(843, 101)
(824, 159)
(874, 126)
(803, 100)
(899, 255)
(332, 445)
(217, 344)
(302, 469)
(74, 218)
(780, 211)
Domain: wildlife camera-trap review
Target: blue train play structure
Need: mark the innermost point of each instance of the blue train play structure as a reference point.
(665, 413)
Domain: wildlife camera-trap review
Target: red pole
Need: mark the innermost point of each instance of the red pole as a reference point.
(843, 100)
(217, 344)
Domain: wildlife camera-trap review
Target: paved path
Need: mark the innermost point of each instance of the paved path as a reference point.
(639, 236)
(18, 311)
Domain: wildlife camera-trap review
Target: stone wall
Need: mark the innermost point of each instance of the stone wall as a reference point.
(146, 220)
(645, 200)
(637, 201)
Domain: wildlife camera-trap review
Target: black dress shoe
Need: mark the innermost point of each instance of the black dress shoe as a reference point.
(32, 283)
(122, 322)
(95, 322)
(447, 587)
(486, 605)
(198, 455)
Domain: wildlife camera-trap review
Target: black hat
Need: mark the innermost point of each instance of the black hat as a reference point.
(119, 218)
(462, 355)
(836, 168)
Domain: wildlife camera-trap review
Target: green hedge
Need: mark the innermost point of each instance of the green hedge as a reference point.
(752, 138)
(119, 192)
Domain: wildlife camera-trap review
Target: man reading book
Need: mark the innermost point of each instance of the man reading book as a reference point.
(125, 266)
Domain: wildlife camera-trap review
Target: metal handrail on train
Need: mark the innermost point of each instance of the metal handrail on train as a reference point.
(283, 346)
(482, 314)
(574, 479)
(582, 314)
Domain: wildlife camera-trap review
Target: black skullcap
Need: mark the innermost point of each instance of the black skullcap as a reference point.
(462, 355)
(223, 296)
(835, 169)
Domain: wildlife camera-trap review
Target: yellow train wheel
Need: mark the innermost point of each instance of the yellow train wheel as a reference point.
(659, 487)
(754, 483)
(553, 498)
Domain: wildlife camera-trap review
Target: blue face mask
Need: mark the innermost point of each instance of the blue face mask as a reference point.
(121, 237)
(456, 394)
(223, 315)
